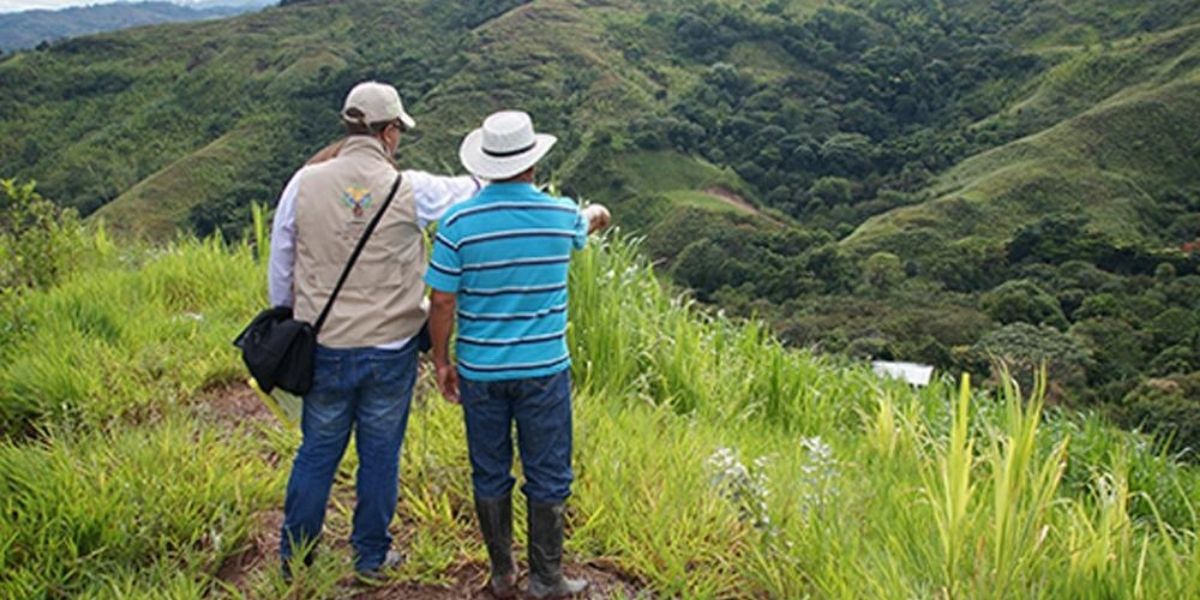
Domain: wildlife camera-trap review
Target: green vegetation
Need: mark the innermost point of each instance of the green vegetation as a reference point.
(110, 488)
(712, 462)
(875, 178)
(878, 178)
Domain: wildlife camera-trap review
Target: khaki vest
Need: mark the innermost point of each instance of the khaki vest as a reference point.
(383, 299)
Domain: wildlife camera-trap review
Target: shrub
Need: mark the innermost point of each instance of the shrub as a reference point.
(38, 241)
(1169, 407)
(883, 271)
(1022, 301)
(1024, 349)
(1182, 358)
(1173, 326)
(1115, 348)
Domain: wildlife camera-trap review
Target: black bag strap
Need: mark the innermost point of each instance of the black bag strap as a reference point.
(362, 242)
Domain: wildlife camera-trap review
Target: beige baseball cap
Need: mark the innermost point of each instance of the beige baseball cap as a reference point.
(374, 102)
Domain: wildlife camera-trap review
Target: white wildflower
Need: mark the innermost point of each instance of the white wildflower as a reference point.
(747, 488)
(820, 472)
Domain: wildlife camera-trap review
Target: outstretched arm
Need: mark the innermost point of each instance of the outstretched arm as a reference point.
(434, 193)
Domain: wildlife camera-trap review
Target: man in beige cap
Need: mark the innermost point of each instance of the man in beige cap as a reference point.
(499, 269)
(366, 359)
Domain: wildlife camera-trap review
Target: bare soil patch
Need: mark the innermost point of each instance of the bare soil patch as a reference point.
(261, 551)
(233, 404)
(470, 581)
(733, 199)
(728, 197)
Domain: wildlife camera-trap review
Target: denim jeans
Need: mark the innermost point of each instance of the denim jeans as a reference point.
(541, 408)
(368, 390)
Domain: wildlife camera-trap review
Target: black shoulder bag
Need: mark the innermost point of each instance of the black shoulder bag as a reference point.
(279, 350)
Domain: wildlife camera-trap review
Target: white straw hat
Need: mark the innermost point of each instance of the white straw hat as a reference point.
(373, 102)
(505, 146)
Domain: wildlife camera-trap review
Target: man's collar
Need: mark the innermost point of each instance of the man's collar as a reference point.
(511, 185)
(364, 144)
(499, 190)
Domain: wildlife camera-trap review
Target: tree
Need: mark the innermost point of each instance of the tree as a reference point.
(1084, 275)
(1054, 239)
(1101, 305)
(829, 264)
(847, 154)
(1023, 301)
(701, 266)
(883, 271)
(1025, 348)
(832, 191)
(1173, 326)
(1164, 272)
(1116, 349)
(1181, 358)
(1168, 407)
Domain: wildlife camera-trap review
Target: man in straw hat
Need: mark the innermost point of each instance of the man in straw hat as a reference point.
(366, 361)
(500, 263)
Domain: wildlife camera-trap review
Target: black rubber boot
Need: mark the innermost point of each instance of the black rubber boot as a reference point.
(495, 521)
(545, 553)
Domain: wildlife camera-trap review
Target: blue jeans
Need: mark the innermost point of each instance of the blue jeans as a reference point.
(368, 390)
(541, 408)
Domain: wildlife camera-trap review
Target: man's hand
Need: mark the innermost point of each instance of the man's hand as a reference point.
(441, 322)
(447, 380)
(598, 217)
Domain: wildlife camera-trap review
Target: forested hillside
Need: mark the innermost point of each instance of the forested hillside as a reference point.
(30, 28)
(885, 178)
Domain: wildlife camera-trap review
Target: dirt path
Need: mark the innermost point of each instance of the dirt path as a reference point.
(237, 405)
(470, 579)
(733, 199)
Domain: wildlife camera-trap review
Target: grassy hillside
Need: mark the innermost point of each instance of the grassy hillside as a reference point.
(930, 181)
(712, 462)
(137, 108)
(156, 206)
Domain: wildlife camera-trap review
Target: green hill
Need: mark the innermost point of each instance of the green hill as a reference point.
(1112, 162)
(880, 178)
(783, 93)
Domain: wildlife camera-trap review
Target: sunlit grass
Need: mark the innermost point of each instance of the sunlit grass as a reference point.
(124, 513)
(835, 483)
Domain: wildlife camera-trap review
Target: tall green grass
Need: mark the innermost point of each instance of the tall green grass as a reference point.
(933, 492)
(129, 334)
(711, 461)
(109, 515)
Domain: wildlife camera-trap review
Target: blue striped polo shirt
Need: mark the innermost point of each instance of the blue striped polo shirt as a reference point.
(505, 254)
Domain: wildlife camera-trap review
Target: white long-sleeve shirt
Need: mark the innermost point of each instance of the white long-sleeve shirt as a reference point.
(434, 194)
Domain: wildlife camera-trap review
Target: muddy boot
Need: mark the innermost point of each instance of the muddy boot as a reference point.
(495, 521)
(545, 553)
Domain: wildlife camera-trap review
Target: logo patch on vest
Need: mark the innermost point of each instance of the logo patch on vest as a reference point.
(357, 199)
